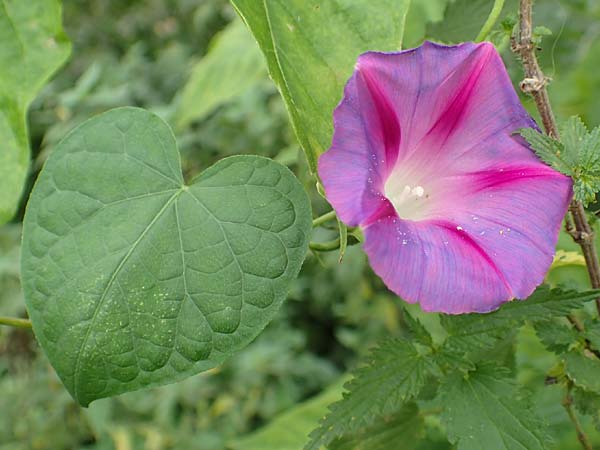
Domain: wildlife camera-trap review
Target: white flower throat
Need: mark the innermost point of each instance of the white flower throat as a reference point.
(410, 201)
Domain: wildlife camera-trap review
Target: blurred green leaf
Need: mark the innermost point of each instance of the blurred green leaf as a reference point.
(400, 431)
(232, 65)
(311, 48)
(33, 46)
(485, 410)
(192, 276)
(290, 430)
(394, 374)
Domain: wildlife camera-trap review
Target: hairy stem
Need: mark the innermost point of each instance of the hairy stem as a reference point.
(535, 84)
(568, 405)
(15, 322)
(491, 20)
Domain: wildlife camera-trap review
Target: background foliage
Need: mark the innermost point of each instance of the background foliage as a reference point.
(154, 54)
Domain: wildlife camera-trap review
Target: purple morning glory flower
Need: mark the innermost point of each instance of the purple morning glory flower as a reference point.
(458, 213)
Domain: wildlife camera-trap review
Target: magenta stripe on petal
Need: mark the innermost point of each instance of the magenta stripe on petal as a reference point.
(458, 213)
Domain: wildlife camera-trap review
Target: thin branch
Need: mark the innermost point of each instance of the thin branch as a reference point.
(535, 84)
(568, 405)
(15, 322)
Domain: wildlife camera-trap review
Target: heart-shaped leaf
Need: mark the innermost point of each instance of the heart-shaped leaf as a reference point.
(133, 278)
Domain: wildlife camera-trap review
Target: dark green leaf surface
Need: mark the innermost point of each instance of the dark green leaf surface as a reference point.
(394, 375)
(484, 410)
(133, 278)
(32, 46)
(311, 47)
(233, 65)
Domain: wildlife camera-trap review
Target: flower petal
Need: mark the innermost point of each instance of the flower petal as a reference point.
(435, 264)
(432, 128)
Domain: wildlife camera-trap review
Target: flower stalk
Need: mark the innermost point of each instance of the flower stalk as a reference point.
(534, 84)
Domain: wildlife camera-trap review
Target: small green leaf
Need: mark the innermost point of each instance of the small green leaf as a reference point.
(556, 337)
(33, 46)
(588, 403)
(232, 65)
(583, 370)
(592, 333)
(485, 410)
(311, 47)
(548, 150)
(133, 278)
(577, 155)
(394, 375)
(405, 426)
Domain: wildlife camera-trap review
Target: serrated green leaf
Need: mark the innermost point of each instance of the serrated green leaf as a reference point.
(485, 410)
(133, 278)
(587, 403)
(400, 431)
(556, 337)
(33, 46)
(548, 150)
(583, 370)
(232, 65)
(311, 48)
(592, 333)
(483, 331)
(572, 133)
(394, 374)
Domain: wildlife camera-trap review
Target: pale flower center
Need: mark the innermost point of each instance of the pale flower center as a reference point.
(411, 201)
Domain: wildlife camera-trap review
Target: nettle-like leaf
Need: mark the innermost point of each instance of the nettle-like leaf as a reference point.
(393, 376)
(583, 369)
(133, 278)
(33, 46)
(468, 332)
(311, 47)
(232, 65)
(576, 155)
(484, 409)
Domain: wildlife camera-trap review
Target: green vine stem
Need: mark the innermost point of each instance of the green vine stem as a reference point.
(15, 322)
(535, 81)
(325, 246)
(323, 219)
(491, 21)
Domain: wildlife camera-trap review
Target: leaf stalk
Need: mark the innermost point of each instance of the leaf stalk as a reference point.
(15, 322)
